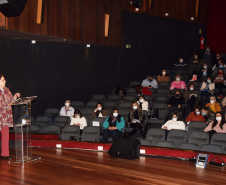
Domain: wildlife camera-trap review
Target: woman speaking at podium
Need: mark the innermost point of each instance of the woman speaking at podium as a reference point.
(6, 117)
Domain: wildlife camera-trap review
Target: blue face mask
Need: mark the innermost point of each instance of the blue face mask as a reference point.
(203, 114)
(221, 66)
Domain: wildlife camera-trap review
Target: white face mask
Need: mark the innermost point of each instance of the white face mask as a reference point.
(218, 118)
(163, 73)
(209, 81)
(67, 104)
(174, 119)
(99, 108)
(141, 100)
(212, 101)
(77, 116)
(181, 60)
(194, 75)
(197, 112)
(115, 114)
(177, 79)
(191, 88)
(205, 67)
(135, 107)
(196, 56)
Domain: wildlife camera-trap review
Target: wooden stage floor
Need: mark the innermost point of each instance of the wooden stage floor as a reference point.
(62, 166)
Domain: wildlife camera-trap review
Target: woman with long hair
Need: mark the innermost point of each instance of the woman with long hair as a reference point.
(218, 125)
(79, 120)
(113, 126)
(99, 111)
(136, 120)
(163, 76)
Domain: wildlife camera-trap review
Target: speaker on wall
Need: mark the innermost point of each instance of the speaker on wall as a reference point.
(12, 8)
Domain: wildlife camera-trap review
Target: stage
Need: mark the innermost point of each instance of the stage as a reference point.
(71, 166)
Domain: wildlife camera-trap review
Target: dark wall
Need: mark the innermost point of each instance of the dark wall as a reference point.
(216, 28)
(156, 43)
(58, 71)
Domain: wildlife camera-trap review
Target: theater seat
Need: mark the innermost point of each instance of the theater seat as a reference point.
(199, 138)
(78, 105)
(62, 120)
(211, 148)
(188, 146)
(51, 129)
(43, 121)
(177, 137)
(90, 133)
(36, 129)
(70, 130)
(166, 144)
(155, 135)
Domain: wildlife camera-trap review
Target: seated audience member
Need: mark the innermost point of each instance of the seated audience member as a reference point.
(190, 98)
(143, 103)
(220, 80)
(136, 120)
(216, 59)
(78, 120)
(195, 115)
(175, 103)
(193, 77)
(174, 123)
(220, 66)
(216, 126)
(207, 90)
(99, 111)
(204, 72)
(150, 82)
(207, 55)
(163, 77)
(67, 110)
(180, 65)
(178, 84)
(223, 103)
(206, 115)
(113, 126)
(194, 59)
(213, 105)
(143, 90)
(119, 91)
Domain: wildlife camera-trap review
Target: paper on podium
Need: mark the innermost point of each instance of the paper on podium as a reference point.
(23, 100)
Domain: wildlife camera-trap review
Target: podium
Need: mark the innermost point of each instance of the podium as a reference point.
(22, 127)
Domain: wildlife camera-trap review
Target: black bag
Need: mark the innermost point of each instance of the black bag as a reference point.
(126, 148)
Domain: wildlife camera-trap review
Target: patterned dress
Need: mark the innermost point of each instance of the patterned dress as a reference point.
(6, 116)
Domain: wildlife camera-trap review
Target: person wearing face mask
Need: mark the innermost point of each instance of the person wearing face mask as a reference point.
(78, 120)
(193, 77)
(178, 83)
(194, 59)
(216, 126)
(113, 126)
(179, 66)
(143, 103)
(207, 90)
(190, 98)
(99, 111)
(174, 123)
(150, 82)
(143, 90)
(220, 81)
(206, 115)
(204, 72)
(195, 115)
(67, 110)
(220, 65)
(136, 120)
(163, 77)
(175, 104)
(207, 55)
(213, 105)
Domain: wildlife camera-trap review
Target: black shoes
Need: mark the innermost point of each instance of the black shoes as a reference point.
(6, 157)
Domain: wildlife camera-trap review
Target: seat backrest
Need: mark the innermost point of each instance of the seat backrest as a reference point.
(196, 126)
(78, 104)
(199, 138)
(87, 112)
(211, 148)
(115, 98)
(51, 129)
(90, 133)
(177, 136)
(134, 83)
(99, 98)
(51, 112)
(36, 129)
(43, 120)
(129, 98)
(219, 139)
(110, 105)
(61, 120)
(131, 91)
(163, 92)
(166, 144)
(161, 99)
(182, 91)
(155, 135)
(70, 130)
(125, 105)
(160, 106)
(98, 122)
(188, 146)
(91, 105)
(148, 98)
(163, 85)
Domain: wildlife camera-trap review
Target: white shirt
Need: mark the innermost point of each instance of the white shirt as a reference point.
(144, 105)
(81, 120)
(174, 125)
(147, 83)
(69, 113)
